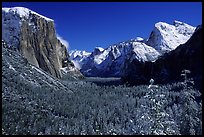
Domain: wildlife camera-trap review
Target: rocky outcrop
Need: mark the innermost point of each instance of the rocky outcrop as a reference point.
(35, 37)
(42, 48)
(167, 68)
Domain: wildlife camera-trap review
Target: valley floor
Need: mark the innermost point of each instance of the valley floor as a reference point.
(94, 106)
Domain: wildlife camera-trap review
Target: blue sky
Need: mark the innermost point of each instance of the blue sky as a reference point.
(86, 25)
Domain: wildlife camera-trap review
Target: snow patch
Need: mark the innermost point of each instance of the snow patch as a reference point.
(11, 67)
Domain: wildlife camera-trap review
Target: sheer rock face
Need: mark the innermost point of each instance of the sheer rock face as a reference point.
(42, 47)
(34, 35)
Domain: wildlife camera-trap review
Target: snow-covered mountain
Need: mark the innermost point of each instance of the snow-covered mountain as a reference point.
(110, 61)
(35, 37)
(166, 37)
(168, 67)
(78, 57)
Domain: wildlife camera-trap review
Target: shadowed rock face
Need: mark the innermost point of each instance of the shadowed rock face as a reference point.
(36, 40)
(168, 67)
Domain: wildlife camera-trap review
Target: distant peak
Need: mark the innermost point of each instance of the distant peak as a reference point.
(99, 48)
(23, 12)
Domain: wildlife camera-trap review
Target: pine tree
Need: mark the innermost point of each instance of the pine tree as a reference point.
(189, 117)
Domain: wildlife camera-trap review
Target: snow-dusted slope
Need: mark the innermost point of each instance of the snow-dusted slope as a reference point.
(166, 37)
(143, 52)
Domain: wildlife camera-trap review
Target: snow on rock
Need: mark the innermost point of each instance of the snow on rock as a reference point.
(12, 19)
(143, 52)
(97, 51)
(23, 12)
(99, 48)
(166, 37)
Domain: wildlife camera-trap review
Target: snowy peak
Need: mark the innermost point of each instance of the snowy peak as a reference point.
(23, 12)
(113, 59)
(77, 57)
(109, 61)
(97, 51)
(166, 37)
(76, 54)
(99, 48)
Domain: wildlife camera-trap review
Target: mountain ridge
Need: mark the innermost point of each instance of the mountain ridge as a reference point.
(110, 61)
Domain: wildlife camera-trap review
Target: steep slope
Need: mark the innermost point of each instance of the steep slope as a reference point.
(35, 37)
(19, 73)
(167, 68)
(26, 91)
